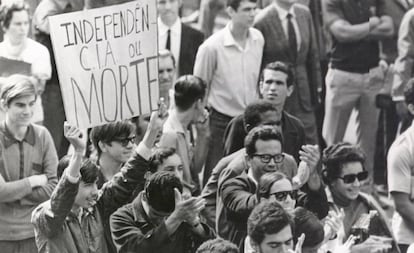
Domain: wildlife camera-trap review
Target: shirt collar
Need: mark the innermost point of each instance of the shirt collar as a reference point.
(175, 28)
(8, 138)
(174, 123)
(229, 39)
(283, 13)
(250, 175)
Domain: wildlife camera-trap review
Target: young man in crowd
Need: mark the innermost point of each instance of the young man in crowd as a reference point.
(275, 86)
(182, 40)
(160, 219)
(400, 179)
(76, 218)
(270, 229)
(231, 87)
(28, 165)
(289, 35)
(113, 143)
(189, 94)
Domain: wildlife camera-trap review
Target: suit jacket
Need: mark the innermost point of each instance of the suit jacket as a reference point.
(191, 39)
(307, 66)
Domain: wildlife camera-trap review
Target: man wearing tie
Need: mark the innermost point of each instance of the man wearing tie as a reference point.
(182, 40)
(289, 36)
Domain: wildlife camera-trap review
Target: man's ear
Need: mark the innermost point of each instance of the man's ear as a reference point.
(254, 245)
(248, 160)
(3, 104)
(410, 108)
(102, 146)
(230, 11)
(290, 90)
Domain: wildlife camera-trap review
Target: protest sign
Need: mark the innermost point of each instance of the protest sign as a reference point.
(107, 62)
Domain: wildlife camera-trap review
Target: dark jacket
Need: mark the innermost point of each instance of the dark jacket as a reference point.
(191, 39)
(133, 231)
(292, 128)
(59, 230)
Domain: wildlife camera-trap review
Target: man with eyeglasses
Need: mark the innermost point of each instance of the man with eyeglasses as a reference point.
(113, 143)
(264, 147)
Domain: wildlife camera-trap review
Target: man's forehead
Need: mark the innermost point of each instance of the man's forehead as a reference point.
(274, 74)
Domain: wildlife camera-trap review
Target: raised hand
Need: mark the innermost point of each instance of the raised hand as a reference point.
(298, 247)
(310, 155)
(74, 136)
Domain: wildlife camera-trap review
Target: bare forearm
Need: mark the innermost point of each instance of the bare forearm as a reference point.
(384, 30)
(345, 32)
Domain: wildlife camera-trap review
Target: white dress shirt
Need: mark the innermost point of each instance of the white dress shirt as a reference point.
(283, 17)
(175, 39)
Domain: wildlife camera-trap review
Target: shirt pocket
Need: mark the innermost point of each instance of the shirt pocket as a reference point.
(37, 169)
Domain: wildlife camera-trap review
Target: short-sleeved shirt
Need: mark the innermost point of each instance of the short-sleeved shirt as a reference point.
(358, 56)
(400, 179)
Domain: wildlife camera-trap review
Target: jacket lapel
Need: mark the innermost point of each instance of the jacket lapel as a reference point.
(282, 41)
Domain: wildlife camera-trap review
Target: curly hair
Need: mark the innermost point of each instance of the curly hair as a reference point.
(335, 156)
(264, 133)
(158, 156)
(217, 245)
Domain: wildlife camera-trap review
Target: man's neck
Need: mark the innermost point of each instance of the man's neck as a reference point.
(18, 132)
(169, 21)
(109, 166)
(285, 6)
(185, 118)
(239, 33)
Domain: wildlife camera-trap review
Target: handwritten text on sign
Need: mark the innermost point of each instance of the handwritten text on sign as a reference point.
(107, 62)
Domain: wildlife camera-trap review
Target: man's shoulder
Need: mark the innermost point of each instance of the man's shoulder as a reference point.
(292, 122)
(266, 14)
(192, 31)
(301, 9)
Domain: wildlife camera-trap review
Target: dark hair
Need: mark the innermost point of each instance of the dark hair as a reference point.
(252, 115)
(335, 156)
(159, 191)
(234, 4)
(282, 67)
(89, 171)
(267, 218)
(187, 90)
(409, 92)
(264, 133)
(267, 181)
(217, 245)
(110, 132)
(17, 86)
(6, 12)
(307, 223)
(158, 156)
(164, 53)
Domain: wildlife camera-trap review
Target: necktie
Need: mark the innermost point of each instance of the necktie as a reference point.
(293, 44)
(168, 44)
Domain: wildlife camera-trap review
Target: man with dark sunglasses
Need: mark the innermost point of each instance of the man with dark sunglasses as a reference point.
(113, 143)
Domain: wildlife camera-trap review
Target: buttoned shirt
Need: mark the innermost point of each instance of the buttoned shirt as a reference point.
(175, 39)
(230, 71)
(283, 17)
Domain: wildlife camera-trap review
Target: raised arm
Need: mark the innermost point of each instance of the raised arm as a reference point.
(118, 191)
(50, 216)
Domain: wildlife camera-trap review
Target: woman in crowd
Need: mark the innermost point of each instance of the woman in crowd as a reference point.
(343, 174)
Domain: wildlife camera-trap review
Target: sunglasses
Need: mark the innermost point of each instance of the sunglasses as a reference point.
(350, 178)
(281, 196)
(265, 158)
(124, 142)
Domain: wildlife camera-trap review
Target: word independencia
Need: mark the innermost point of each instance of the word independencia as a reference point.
(115, 25)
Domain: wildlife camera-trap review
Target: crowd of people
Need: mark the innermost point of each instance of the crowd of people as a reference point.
(247, 152)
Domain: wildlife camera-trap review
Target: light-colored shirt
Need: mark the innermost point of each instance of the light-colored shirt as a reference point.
(175, 39)
(174, 135)
(283, 17)
(230, 71)
(401, 179)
